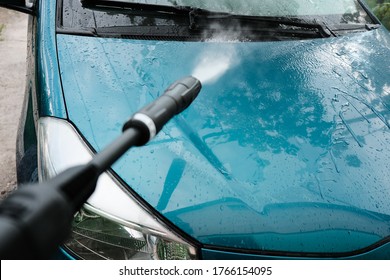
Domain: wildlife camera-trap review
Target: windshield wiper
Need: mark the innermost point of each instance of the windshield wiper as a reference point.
(118, 4)
(201, 19)
(354, 26)
(281, 24)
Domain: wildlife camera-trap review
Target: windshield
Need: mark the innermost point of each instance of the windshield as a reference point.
(267, 7)
(92, 15)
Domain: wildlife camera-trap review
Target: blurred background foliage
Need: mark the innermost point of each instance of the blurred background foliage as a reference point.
(1, 29)
(381, 9)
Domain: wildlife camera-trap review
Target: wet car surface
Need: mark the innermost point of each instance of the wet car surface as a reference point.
(283, 154)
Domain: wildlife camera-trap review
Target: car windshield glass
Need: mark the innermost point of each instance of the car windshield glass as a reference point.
(329, 14)
(264, 7)
(351, 10)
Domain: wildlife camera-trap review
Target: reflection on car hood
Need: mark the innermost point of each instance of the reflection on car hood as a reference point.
(286, 148)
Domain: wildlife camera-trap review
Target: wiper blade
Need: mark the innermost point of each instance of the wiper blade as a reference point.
(200, 18)
(118, 4)
(355, 26)
(295, 25)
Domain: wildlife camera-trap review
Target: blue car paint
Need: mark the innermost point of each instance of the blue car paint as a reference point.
(50, 101)
(287, 151)
(379, 253)
(43, 95)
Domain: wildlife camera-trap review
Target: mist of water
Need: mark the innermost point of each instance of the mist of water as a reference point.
(217, 59)
(212, 66)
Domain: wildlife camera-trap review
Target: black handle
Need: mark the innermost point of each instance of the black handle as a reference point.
(154, 116)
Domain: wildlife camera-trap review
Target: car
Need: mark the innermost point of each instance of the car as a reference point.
(283, 155)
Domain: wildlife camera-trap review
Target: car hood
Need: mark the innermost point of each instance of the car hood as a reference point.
(286, 148)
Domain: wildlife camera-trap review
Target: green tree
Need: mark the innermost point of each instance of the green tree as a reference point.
(381, 9)
(372, 3)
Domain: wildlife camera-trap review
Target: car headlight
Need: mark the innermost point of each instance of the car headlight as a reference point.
(112, 224)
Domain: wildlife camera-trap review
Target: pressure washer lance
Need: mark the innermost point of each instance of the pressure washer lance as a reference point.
(36, 219)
